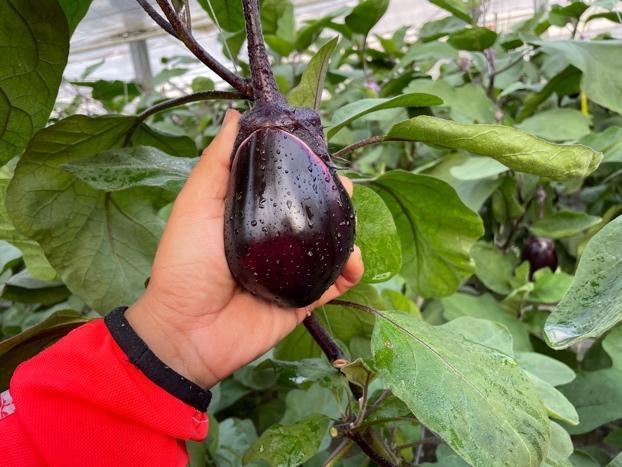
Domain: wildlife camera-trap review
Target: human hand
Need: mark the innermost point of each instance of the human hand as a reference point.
(193, 314)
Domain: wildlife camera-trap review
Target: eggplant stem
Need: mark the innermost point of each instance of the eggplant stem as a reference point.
(196, 97)
(264, 84)
(366, 142)
(176, 28)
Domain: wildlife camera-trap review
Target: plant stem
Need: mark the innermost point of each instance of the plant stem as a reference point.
(362, 443)
(330, 348)
(365, 142)
(419, 452)
(335, 355)
(176, 28)
(199, 96)
(264, 84)
(338, 453)
(157, 17)
(381, 421)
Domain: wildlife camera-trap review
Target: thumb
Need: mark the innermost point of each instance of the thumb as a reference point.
(209, 179)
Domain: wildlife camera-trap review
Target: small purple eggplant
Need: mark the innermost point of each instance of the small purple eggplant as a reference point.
(540, 253)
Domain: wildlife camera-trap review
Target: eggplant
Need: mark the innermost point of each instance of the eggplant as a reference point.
(540, 253)
(289, 222)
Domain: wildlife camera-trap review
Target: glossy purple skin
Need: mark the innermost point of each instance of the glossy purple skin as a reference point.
(540, 252)
(289, 223)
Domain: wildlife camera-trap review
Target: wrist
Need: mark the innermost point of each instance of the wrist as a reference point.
(168, 341)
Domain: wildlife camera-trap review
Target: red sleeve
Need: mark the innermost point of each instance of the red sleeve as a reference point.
(81, 402)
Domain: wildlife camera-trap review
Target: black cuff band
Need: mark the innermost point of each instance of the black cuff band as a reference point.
(146, 361)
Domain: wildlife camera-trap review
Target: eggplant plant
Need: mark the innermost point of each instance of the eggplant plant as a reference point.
(486, 163)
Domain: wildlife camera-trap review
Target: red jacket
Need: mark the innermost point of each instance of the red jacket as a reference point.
(81, 402)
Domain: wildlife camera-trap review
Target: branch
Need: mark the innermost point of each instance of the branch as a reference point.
(366, 142)
(199, 96)
(330, 348)
(177, 29)
(362, 443)
(335, 355)
(157, 18)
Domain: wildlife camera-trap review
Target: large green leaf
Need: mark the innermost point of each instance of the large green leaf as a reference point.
(35, 45)
(557, 406)
(355, 110)
(376, 236)
(436, 230)
(467, 104)
(75, 10)
(557, 124)
(609, 142)
(473, 38)
(28, 343)
(487, 411)
(308, 93)
(546, 368)
(36, 262)
(286, 445)
(592, 304)
(229, 15)
(175, 145)
(123, 168)
(366, 14)
(601, 81)
(597, 395)
(486, 307)
(564, 224)
(513, 148)
(457, 8)
(101, 244)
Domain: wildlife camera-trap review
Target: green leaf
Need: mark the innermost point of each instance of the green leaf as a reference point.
(549, 286)
(109, 92)
(546, 368)
(235, 436)
(35, 45)
(355, 110)
(467, 103)
(474, 38)
(34, 258)
(302, 403)
(277, 17)
(308, 93)
(31, 341)
(476, 168)
(592, 304)
(123, 168)
(436, 230)
(484, 332)
(9, 256)
(457, 8)
(286, 445)
(75, 10)
(561, 447)
(376, 236)
(597, 395)
(24, 288)
(433, 30)
(557, 406)
(366, 14)
(175, 145)
(486, 307)
(609, 142)
(473, 193)
(488, 411)
(564, 224)
(494, 268)
(557, 124)
(601, 82)
(513, 148)
(115, 233)
(227, 14)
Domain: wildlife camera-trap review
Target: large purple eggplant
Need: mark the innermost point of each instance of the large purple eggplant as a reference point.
(289, 223)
